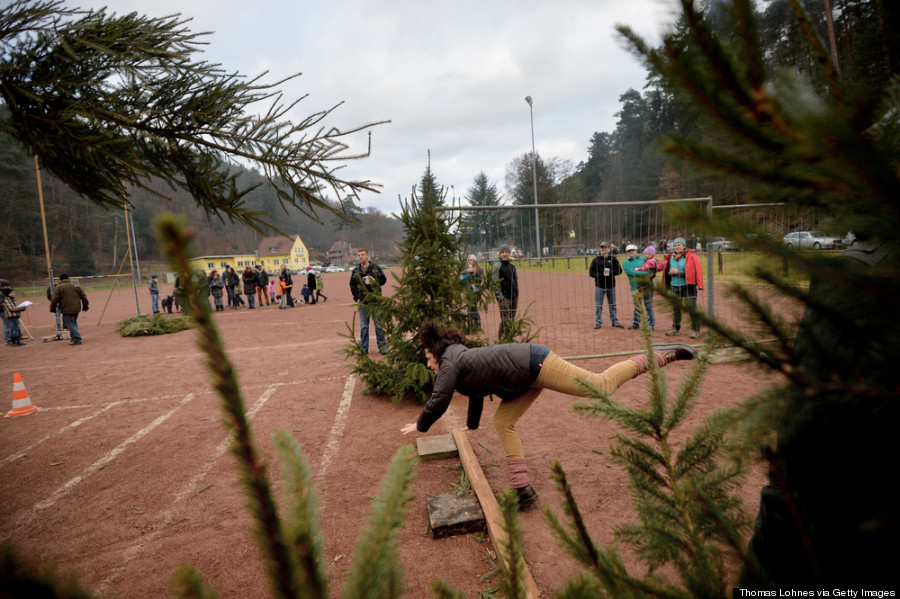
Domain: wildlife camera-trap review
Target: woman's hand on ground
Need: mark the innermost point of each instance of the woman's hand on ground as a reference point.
(409, 428)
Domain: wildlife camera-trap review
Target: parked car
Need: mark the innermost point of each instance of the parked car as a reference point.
(720, 244)
(816, 240)
(334, 268)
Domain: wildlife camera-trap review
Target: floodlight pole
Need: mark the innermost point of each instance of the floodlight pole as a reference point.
(537, 224)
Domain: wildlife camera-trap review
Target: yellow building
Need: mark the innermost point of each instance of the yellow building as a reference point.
(271, 253)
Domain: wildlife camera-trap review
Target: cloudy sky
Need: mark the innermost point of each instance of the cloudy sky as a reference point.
(451, 77)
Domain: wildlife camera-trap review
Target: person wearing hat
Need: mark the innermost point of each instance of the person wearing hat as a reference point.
(70, 300)
(11, 313)
(153, 285)
(684, 278)
(507, 291)
(604, 269)
(640, 282)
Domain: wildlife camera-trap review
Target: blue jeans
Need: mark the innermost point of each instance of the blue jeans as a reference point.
(154, 302)
(231, 296)
(6, 338)
(250, 297)
(599, 294)
(364, 330)
(648, 306)
(71, 323)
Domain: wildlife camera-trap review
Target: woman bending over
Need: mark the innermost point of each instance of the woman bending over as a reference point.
(516, 373)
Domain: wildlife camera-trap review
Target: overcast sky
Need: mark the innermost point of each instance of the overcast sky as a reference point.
(451, 77)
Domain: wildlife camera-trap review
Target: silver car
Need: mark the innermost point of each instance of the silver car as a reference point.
(815, 240)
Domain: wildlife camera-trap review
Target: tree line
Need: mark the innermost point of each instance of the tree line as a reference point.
(629, 163)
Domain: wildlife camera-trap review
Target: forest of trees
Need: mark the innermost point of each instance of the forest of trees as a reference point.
(86, 239)
(627, 164)
(623, 165)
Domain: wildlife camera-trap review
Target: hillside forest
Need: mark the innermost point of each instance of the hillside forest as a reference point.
(626, 164)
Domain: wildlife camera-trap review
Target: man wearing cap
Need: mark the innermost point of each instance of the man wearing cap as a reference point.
(684, 278)
(71, 300)
(604, 269)
(154, 293)
(507, 291)
(640, 282)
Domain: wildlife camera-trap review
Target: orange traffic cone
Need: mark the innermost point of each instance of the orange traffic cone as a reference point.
(21, 402)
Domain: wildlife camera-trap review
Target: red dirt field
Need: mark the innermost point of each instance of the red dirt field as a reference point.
(124, 473)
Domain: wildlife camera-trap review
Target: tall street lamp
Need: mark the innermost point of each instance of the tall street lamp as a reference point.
(537, 225)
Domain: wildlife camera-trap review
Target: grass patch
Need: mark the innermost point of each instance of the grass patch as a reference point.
(138, 326)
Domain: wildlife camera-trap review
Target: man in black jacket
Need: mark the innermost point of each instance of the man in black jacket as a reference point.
(365, 283)
(507, 291)
(262, 282)
(604, 269)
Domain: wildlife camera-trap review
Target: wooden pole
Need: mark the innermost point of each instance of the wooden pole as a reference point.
(37, 168)
(137, 302)
(489, 506)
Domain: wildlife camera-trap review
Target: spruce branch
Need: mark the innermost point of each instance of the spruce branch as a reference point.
(302, 525)
(376, 570)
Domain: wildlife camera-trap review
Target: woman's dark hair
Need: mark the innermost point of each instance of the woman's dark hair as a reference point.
(436, 338)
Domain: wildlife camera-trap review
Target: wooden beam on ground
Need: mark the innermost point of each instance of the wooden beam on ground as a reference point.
(488, 503)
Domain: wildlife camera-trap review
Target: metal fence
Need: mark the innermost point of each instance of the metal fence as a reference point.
(558, 294)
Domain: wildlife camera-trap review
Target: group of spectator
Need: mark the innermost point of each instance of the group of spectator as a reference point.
(683, 277)
(255, 283)
(681, 267)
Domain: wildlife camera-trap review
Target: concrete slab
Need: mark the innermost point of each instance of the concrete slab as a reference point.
(454, 514)
(436, 447)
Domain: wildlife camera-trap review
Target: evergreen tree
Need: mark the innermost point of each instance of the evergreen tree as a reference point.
(483, 227)
(80, 260)
(810, 141)
(428, 287)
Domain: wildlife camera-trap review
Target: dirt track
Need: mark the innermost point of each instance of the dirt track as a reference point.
(124, 473)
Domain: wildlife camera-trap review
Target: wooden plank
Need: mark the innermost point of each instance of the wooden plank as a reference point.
(489, 504)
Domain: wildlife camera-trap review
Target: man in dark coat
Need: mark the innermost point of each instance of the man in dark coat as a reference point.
(262, 282)
(604, 269)
(365, 284)
(70, 300)
(507, 292)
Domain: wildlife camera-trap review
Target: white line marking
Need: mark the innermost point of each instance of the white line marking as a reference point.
(166, 517)
(95, 467)
(337, 429)
(78, 422)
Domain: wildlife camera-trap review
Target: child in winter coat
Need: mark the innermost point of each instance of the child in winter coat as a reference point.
(651, 264)
(217, 289)
(12, 312)
(273, 288)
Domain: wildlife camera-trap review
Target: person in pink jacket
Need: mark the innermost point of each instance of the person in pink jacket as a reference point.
(684, 278)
